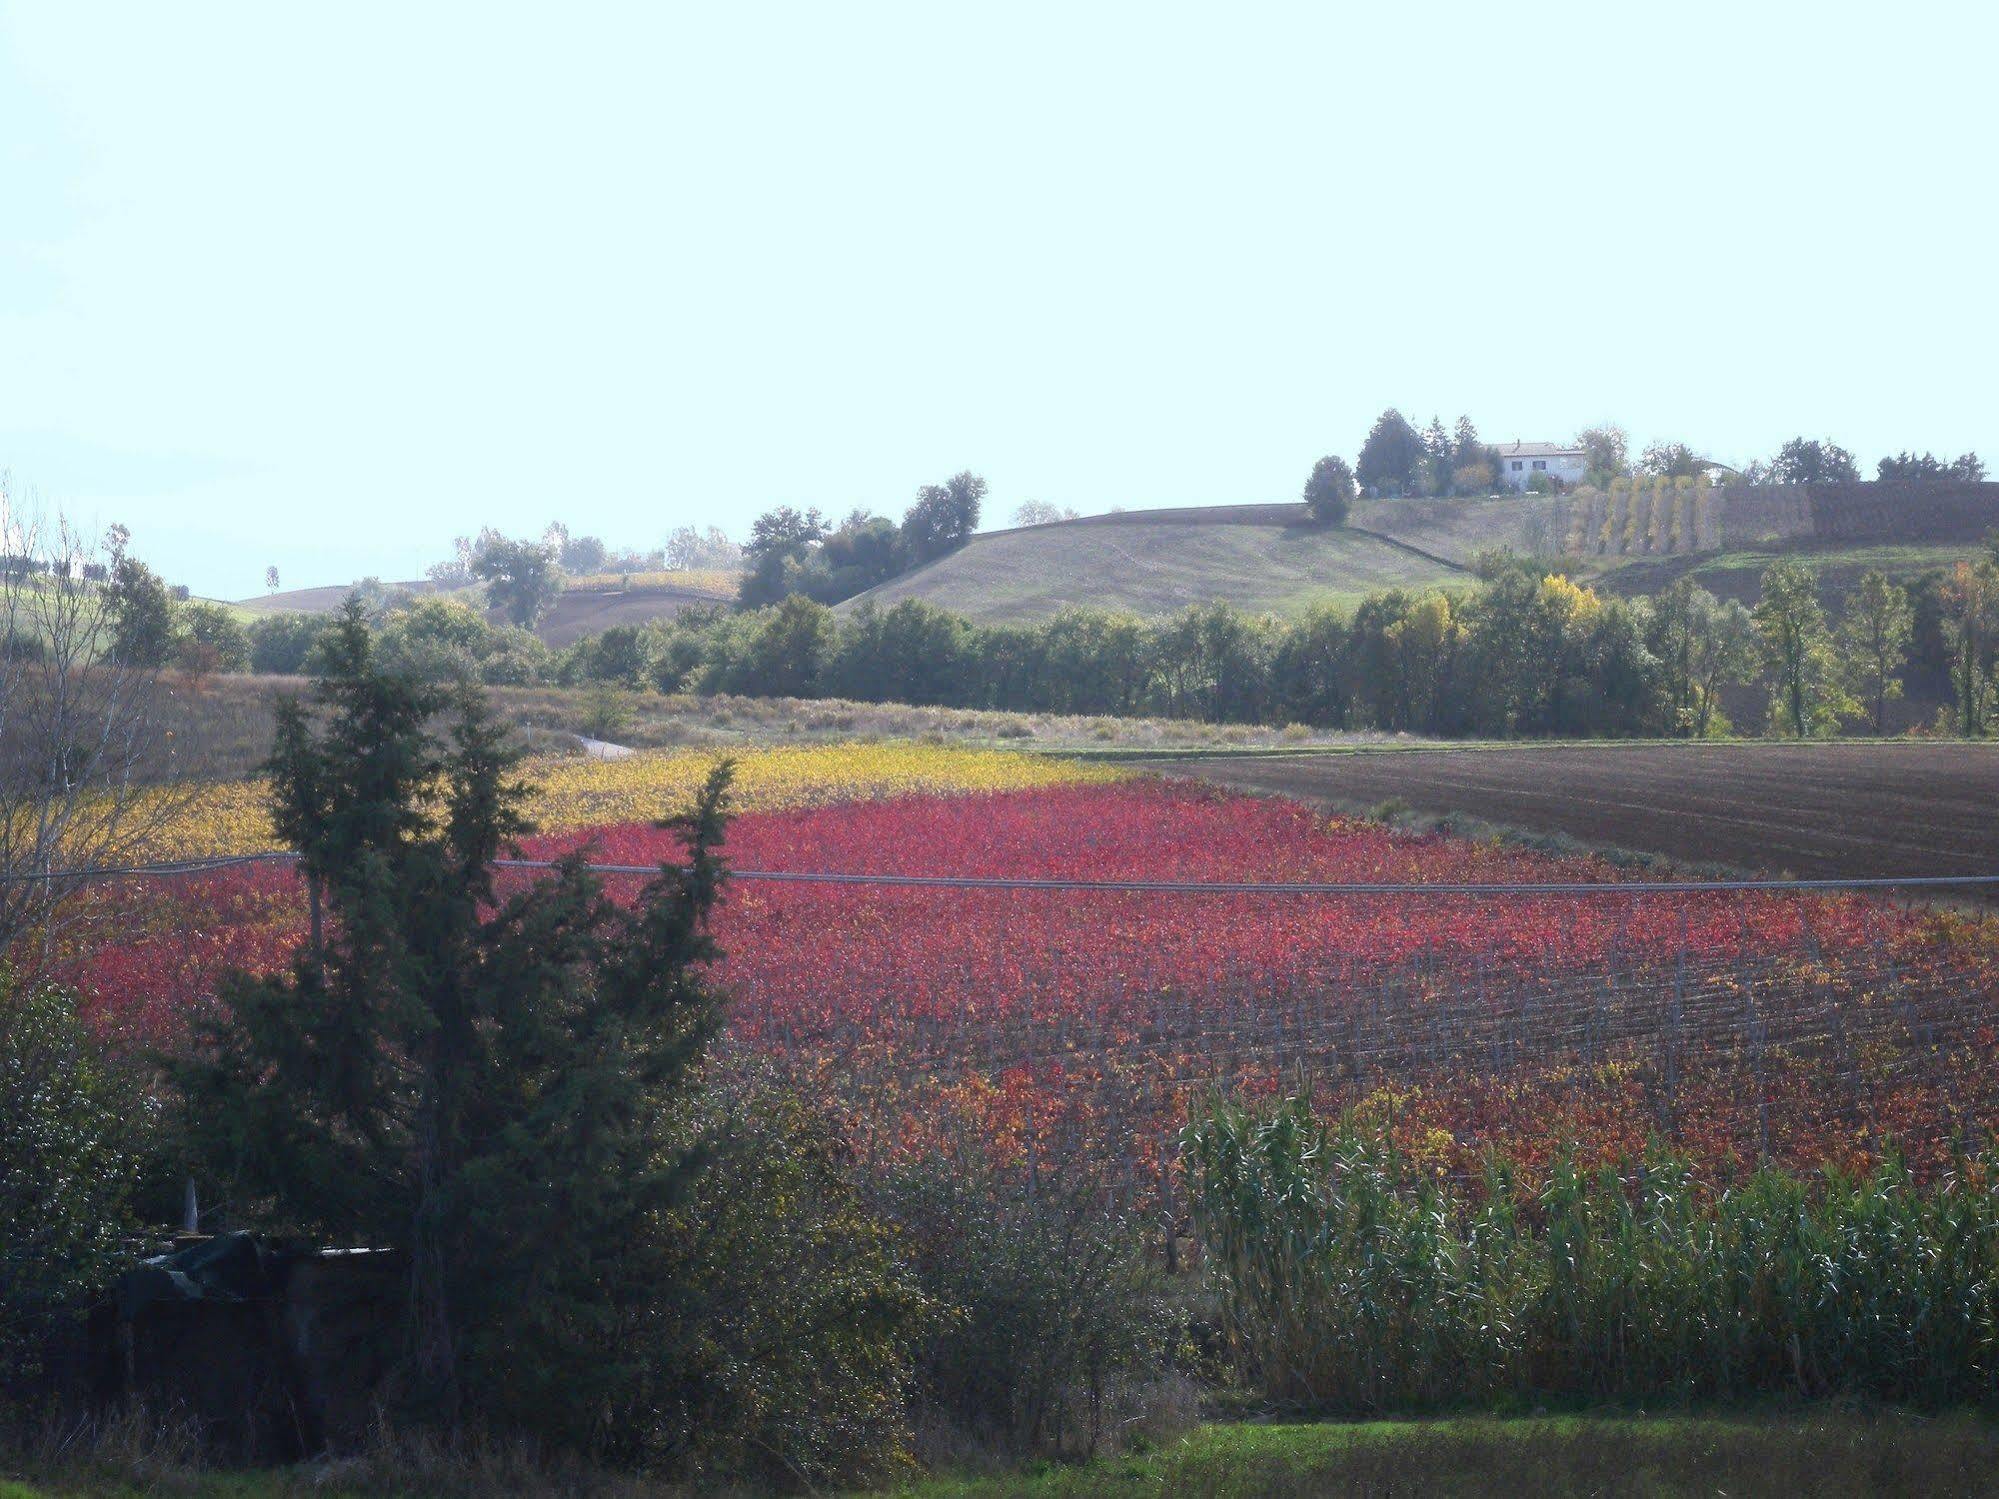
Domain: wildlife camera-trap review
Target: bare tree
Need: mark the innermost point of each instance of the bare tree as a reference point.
(85, 754)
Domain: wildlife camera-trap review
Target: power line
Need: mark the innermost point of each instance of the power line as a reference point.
(184, 867)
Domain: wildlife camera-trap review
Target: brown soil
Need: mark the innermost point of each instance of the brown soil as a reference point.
(1811, 811)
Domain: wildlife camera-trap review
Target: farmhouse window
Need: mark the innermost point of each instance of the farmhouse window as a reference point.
(1516, 465)
(1541, 464)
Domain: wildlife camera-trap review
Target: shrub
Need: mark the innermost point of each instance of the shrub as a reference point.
(281, 643)
(789, 1323)
(1056, 1321)
(67, 1127)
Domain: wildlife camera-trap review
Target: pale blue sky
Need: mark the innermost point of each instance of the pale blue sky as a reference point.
(324, 286)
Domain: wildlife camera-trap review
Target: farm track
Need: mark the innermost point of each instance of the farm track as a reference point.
(1813, 811)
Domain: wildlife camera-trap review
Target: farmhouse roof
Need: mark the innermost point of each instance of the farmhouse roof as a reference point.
(1537, 450)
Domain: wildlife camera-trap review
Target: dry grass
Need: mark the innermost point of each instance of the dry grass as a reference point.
(718, 582)
(222, 726)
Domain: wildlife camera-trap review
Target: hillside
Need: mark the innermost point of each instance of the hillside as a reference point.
(1269, 558)
(1153, 562)
(586, 606)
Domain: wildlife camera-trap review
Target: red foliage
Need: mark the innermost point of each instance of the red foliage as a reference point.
(1805, 1027)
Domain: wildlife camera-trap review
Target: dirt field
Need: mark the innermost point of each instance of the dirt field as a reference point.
(1811, 811)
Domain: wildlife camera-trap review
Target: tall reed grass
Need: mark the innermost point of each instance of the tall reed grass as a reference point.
(1349, 1279)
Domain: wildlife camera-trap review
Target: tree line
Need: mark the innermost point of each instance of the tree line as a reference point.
(1517, 651)
(1397, 459)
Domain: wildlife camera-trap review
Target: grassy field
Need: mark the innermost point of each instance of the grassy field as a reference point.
(1155, 566)
(1819, 1453)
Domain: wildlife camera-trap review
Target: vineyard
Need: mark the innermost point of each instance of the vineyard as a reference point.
(1736, 1025)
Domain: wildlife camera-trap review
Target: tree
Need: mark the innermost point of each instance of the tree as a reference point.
(210, 639)
(1966, 468)
(1807, 694)
(141, 615)
(271, 579)
(522, 578)
(689, 550)
(490, 1079)
(781, 541)
(86, 755)
(1439, 456)
(1702, 645)
(1041, 513)
(1329, 490)
(69, 1133)
(1971, 633)
(1874, 634)
(575, 554)
(943, 517)
(1805, 460)
(1392, 455)
(1670, 460)
(1608, 447)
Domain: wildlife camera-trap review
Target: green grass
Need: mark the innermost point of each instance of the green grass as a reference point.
(1154, 568)
(1821, 1454)
(1825, 1452)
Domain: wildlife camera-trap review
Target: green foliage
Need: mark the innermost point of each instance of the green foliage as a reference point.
(1391, 459)
(281, 643)
(1702, 645)
(209, 638)
(1874, 635)
(68, 1131)
(492, 1081)
(1351, 1279)
(1330, 490)
(1609, 452)
(1970, 598)
(943, 517)
(1807, 460)
(1054, 1320)
(792, 1320)
(522, 577)
(141, 614)
(1808, 694)
(447, 640)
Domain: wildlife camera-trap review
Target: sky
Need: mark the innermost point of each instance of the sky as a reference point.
(322, 287)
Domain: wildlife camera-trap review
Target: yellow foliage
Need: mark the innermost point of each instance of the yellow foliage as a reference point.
(230, 817)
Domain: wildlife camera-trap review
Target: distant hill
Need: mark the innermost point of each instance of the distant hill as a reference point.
(586, 606)
(1271, 558)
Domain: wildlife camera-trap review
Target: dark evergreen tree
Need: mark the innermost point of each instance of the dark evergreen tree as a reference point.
(1391, 456)
(493, 1083)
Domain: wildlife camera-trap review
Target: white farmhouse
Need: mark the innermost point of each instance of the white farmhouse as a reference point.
(1519, 462)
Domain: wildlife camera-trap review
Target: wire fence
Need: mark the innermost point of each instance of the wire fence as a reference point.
(1804, 1021)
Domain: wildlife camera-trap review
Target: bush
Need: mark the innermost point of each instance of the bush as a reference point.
(209, 638)
(68, 1123)
(1056, 1323)
(281, 643)
(788, 1330)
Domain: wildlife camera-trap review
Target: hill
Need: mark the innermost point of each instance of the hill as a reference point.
(1271, 558)
(1153, 562)
(584, 607)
